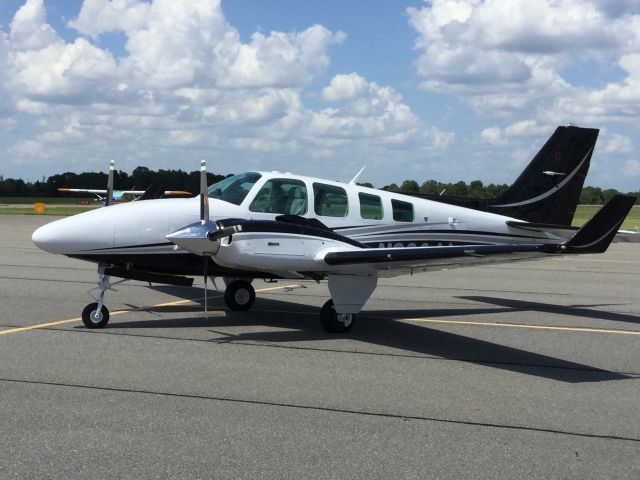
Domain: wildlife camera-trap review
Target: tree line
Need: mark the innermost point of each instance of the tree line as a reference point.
(143, 177)
(476, 189)
(140, 179)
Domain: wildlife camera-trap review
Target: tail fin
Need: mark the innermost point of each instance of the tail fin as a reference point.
(596, 235)
(151, 193)
(548, 190)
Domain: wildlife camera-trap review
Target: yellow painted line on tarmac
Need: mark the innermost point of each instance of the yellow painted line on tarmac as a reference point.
(520, 325)
(121, 312)
(53, 324)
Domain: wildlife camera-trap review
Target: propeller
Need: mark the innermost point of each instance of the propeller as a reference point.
(109, 200)
(222, 232)
(204, 218)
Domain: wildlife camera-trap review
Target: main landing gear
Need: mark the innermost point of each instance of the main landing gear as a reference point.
(334, 322)
(239, 295)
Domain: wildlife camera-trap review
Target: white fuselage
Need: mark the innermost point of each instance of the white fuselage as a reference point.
(140, 228)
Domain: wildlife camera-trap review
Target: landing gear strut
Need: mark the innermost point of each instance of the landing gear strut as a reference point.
(96, 315)
(334, 322)
(239, 295)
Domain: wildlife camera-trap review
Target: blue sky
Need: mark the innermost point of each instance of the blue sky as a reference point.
(449, 90)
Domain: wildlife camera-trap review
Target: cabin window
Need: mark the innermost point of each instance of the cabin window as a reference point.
(402, 211)
(329, 200)
(370, 206)
(234, 189)
(282, 196)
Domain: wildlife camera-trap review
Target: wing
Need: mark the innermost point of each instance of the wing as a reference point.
(594, 237)
(396, 261)
(305, 248)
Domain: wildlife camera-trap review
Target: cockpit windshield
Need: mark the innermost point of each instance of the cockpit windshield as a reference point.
(234, 189)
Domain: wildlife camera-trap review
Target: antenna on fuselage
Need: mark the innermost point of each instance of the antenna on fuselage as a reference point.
(109, 200)
(353, 180)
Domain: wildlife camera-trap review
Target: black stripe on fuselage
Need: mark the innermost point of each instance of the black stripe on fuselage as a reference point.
(420, 243)
(145, 245)
(447, 232)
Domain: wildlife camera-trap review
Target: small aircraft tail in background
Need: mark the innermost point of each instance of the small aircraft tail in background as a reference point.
(120, 196)
(548, 190)
(110, 196)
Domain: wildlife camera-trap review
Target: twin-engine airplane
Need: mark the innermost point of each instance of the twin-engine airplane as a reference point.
(109, 195)
(274, 225)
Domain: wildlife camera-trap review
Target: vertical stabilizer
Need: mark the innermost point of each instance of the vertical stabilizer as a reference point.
(548, 190)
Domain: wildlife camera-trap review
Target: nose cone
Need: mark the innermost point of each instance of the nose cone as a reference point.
(48, 238)
(76, 234)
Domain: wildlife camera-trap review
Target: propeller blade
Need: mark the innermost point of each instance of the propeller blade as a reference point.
(109, 199)
(204, 218)
(204, 197)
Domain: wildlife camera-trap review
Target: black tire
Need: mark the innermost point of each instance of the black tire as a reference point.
(333, 322)
(239, 295)
(91, 320)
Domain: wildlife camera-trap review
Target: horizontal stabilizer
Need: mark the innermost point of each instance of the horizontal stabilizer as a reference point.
(596, 235)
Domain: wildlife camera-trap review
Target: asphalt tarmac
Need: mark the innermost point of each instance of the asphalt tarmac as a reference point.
(523, 370)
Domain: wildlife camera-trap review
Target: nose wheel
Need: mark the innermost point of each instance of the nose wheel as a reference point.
(95, 317)
(239, 295)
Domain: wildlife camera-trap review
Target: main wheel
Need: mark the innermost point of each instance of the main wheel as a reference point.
(94, 318)
(239, 295)
(334, 322)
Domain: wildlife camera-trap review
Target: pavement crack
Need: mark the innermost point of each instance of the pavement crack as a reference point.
(327, 409)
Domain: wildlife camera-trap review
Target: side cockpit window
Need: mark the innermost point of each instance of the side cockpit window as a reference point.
(370, 206)
(281, 196)
(329, 200)
(402, 211)
(234, 189)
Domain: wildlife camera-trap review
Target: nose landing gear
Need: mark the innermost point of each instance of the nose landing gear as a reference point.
(96, 315)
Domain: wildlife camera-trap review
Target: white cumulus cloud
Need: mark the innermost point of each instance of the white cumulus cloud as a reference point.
(345, 87)
(510, 58)
(186, 84)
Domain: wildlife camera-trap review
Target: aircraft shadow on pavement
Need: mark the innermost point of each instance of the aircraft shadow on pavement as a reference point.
(510, 305)
(299, 323)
